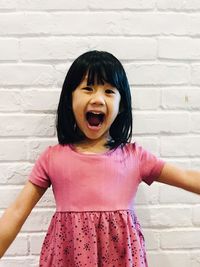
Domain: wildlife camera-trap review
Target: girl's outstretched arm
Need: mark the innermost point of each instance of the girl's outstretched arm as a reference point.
(16, 214)
(185, 179)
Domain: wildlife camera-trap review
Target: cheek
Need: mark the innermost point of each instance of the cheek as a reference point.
(76, 103)
(78, 109)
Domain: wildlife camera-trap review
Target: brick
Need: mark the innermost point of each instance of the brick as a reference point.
(13, 150)
(25, 23)
(8, 5)
(158, 24)
(28, 75)
(40, 100)
(19, 247)
(144, 48)
(152, 239)
(19, 262)
(195, 123)
(178, 5)
(10, 100)
(27, 125)
(196, 216)
(36, 241)
(195, 259)
(76, 5)
(141, 48)
(38, 220)
(149, 143)
(53, 48)
(194, 23)
(101, 23)
(145, 99)
(182, 146)
(180, 98)
(61, 71)
(14, 173)
(50, 5)
(180, 239)
(158, 122)
(8, 195)
(125, 4)
(147, 195)
(43, 23)
(195, 72)
(172, 259)
(158, 74)
(180, 48)
(195, 164)
(169, 194)
(9, 49)
(37, 146)
(165, 217)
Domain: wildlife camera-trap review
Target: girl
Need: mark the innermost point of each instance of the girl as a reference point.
(94, 171)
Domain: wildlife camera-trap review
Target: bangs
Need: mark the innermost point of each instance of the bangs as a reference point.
(99, 73)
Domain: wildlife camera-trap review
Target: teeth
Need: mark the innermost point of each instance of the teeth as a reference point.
(95, 112)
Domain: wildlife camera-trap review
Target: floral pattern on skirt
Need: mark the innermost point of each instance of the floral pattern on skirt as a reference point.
(94, 239)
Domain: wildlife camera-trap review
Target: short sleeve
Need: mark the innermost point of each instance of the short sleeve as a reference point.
(150, 165)
(40, 171)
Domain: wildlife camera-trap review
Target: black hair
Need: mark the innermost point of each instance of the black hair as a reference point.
(100, 67)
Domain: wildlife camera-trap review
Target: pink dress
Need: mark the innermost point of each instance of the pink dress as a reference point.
(95, 222)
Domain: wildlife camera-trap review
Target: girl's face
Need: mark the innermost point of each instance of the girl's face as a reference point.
(95, 107)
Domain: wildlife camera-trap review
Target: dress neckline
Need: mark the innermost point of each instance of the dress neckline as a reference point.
(107, 152)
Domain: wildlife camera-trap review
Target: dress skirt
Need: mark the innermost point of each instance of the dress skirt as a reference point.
(94, 239)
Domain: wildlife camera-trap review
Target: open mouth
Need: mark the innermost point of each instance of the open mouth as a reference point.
(95, 119)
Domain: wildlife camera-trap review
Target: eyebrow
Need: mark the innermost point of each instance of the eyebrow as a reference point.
(107, 88)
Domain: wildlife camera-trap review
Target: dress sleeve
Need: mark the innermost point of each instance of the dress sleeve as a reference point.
(150, 165)
(40, 171)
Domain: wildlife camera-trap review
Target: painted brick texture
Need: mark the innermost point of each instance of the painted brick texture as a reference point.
(158, 41)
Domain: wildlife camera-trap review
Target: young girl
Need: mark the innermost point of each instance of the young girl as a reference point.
(94, 171)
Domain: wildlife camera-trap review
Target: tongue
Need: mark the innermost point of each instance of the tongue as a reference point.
(94, 120)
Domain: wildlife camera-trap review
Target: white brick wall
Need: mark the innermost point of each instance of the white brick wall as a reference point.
(158, 41)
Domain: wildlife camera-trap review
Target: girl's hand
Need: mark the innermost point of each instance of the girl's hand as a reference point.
(15, 216)
(185, 179)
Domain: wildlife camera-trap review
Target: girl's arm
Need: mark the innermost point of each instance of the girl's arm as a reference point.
(16, 214)
(185, 179)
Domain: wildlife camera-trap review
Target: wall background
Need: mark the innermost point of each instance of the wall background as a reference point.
(158, 41)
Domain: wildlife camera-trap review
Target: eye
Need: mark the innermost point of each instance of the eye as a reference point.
(89, 89)
(110, 91)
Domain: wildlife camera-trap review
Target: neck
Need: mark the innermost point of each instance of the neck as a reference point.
(95, 146)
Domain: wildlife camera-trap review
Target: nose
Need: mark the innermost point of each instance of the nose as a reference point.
(97, 99)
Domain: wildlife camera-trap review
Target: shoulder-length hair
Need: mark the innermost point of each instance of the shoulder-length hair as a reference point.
(100, 67)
